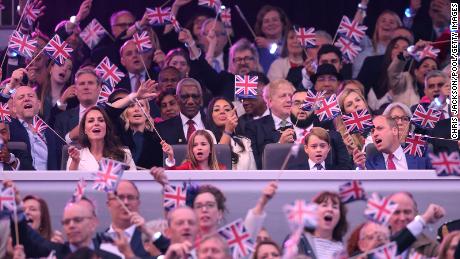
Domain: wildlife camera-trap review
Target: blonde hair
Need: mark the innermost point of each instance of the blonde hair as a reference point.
(212, 158)
(125, 119)
(375, 36)
(273, 86)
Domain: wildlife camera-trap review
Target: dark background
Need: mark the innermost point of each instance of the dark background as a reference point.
(321, 14)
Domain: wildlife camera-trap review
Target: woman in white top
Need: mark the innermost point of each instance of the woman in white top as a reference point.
(291, 56)
(223, 122)
(97, 140)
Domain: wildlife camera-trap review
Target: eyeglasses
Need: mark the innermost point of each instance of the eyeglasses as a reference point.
(77, 220)
(207, 205)
(327, 78)
(400, 118)
(246, 59)
(187, 96)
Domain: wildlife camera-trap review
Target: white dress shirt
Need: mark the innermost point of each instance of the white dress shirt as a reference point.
(278, 121)
(399, 158)
(312, 165)
(89, 163)
(199, 125)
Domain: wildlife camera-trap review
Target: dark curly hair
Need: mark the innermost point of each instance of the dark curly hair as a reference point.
(112, 146)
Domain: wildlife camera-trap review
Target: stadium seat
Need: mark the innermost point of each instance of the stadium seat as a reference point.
(274, 155)
(64, 157)
(16, 145)
(223, 154)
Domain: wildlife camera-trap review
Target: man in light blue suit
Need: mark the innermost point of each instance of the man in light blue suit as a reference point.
(389, 154)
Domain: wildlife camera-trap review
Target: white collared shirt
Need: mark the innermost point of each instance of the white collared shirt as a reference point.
(399, 159)
(266, 112)
(133, 79)
(278, 121)
(38, 148)
(199, 125)
(312, 165)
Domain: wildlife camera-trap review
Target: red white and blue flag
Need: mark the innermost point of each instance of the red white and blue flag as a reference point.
(214, 4)
(301, 213)
(31, 14)
(358, 122)
(328, 108)
(142, 41)
(238, 239)
(387, 251)
(306, 37)
(58, 50)
(106, 91)
(226, 17)
(311, 100)
(158, 15)
(7, 200)
(22, 44)
(246, 86)
(352, 191)
(92, 34)
(39, 126)
(109, 72)
(175, 23)
(379, 209)
(415, 145)
(291, 246)
(351, 30)
(79, 190)
(425, 118)
(5, 113)
(174, 197)
(349, 49)
(108, 176)
(427, 52)
(446, 164)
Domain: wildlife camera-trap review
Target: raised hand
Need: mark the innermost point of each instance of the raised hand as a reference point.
(74, 154)
(433, 213)
(359, 158)
(147, 90)
(84, 10)
(262, 42)
(168, 150)
(159, 175)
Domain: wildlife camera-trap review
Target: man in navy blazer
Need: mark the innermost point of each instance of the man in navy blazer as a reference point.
(45, 147)
(390, 154)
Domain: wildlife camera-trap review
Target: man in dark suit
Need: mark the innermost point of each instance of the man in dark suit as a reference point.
(177, 130)
(128, 193)
(390, 154)
(215, 29)
(44, 147)
(79, 223)
(276, 127)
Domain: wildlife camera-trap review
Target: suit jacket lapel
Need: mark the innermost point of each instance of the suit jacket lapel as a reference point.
(269, 126)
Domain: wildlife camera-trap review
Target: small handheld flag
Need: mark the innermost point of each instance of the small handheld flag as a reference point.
(307, 38)
(158, 15)
(352, 191)
(379, 209)
(174, 197)
(301, 213)
(358, 122)
(425, 118)
(349, 49)
(446, 164)
(351, 30)
(108, 176)
(415, 145)
(7, 200)
(246, 86)
(92, 33)
(22, 44)
(238, 239)
(142, 41)
(5, 113)
(79, 190)
(58, 50)
(328, 108)
(109, 72)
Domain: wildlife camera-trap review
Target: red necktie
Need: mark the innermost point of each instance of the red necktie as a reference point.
(390, 163)
(138, 82)
(191, 128)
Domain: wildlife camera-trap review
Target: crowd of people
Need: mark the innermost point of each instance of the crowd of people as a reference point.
(182, 99)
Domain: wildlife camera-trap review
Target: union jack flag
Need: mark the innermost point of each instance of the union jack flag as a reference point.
(307, 38)
(226, 17)
(311, 100)
(238, 239)
(351, 30)
(22, 44)
(215, 4)
(301, 213)
(446, 164)
(352, 191)
(349, 49)
(291, 248)
(7, 200)
(379, 209)
(92, 34)
(109, 72)
(358, 122)
(415, 145)
(39, 126)
(246, 86)
(108, 176)
(175, 23)
(79, 190)
(105, 93)
(5, 114)
(174, 197)
(142, 41)
(158, 15)
(301, 139)
(58, 50)
(328, 108)
(387, 251)
(426, 119)
(427, 52)
(31, 14)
